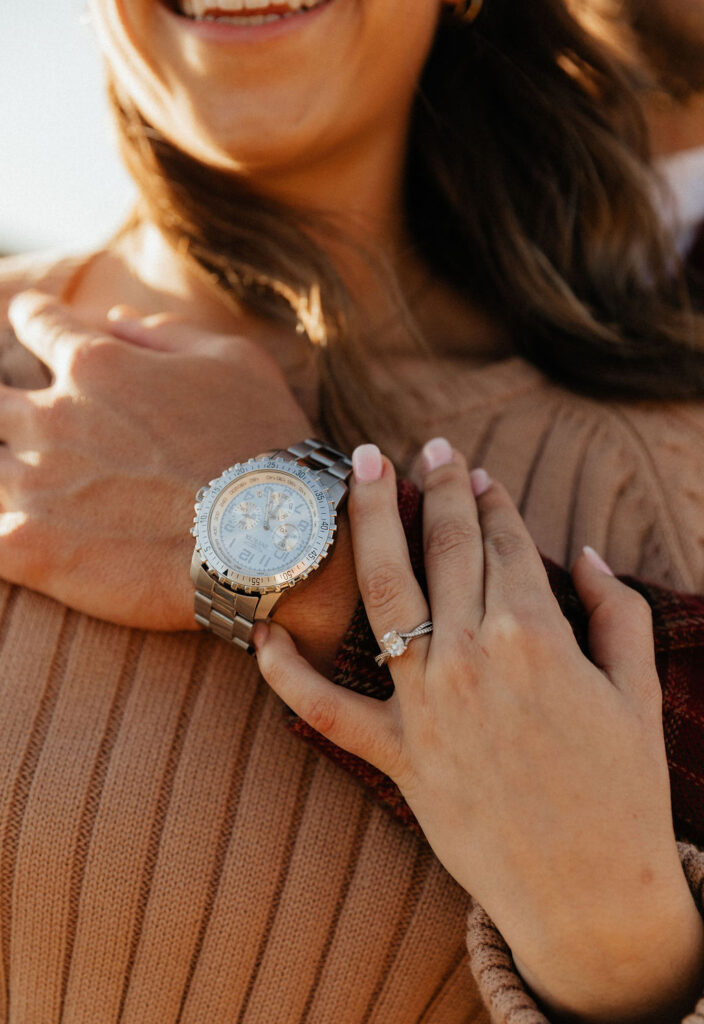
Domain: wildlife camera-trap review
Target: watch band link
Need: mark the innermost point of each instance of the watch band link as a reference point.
(232, 616)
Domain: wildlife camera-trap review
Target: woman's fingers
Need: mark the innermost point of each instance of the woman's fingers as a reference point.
(392, 596)
(452, 539)
(515, 581)
(364, 727)
(620, 626)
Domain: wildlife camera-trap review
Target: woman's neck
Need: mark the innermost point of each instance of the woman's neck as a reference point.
(140, 269)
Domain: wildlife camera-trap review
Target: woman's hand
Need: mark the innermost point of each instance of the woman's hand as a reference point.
(539, 779)
(99, 470)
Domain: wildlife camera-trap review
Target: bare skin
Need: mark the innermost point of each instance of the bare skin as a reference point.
(298, 136)
(99, 479)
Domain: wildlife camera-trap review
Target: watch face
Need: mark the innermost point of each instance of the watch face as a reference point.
(264, 525)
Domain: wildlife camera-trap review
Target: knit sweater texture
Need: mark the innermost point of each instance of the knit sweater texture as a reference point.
(171, 852)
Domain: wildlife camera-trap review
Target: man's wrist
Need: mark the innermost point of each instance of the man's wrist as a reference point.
(319, 610)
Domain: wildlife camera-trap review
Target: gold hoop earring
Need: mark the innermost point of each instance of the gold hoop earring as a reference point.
(468, 10)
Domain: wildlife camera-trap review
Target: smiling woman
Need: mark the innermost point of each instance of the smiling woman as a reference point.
(377, 220)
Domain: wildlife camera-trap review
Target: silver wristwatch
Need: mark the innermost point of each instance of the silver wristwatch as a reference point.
(260, 528)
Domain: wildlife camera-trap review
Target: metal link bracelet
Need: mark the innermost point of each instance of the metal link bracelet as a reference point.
(232, 616)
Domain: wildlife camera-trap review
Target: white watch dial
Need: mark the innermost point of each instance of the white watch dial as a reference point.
(264, 523)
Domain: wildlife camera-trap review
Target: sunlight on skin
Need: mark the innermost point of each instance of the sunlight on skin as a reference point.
(11, 521)
(29, 458)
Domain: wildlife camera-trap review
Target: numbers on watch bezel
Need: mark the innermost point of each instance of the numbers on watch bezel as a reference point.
(316, 550)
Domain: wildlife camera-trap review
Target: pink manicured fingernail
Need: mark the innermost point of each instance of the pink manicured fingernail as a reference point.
(481, 482)
(436, 453)
(260, 635)
(597, 561)
(367, 464)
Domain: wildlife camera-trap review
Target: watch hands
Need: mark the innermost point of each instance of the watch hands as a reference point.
(274, 509)
(267, 511)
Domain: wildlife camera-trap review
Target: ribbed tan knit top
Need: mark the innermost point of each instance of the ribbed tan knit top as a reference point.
(171, 853)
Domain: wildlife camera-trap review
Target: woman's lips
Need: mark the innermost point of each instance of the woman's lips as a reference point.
(244, 12)
(242, 22)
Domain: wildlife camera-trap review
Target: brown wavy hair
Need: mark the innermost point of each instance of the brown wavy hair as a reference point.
(668, 50)
(527, 189)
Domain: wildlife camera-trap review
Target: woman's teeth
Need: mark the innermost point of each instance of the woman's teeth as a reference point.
(245, 12)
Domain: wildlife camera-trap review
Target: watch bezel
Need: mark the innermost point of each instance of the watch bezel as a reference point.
(225, 574)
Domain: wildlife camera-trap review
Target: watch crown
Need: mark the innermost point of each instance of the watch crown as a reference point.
(202, 493)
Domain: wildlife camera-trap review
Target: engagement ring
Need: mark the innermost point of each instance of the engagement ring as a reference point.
(393, 644)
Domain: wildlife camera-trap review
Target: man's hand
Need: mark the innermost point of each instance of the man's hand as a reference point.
(99, 470)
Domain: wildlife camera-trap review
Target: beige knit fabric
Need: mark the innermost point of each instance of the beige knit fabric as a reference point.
(170, 853)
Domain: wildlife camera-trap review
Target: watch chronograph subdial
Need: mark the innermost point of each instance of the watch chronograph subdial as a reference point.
(266, 526)
(287, 537)
(279, 508)
(282, 506)
(242, 517)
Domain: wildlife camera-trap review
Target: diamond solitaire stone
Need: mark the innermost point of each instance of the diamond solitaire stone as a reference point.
(392, 644)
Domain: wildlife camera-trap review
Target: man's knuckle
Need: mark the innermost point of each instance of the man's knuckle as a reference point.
(40, 418)
(24, 415)
(94, 355)
(50, 417)
(24, 479)
(54, 335)
(43, 309)
(30, 547)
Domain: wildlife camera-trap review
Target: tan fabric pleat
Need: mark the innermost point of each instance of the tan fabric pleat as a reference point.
(171, 854)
